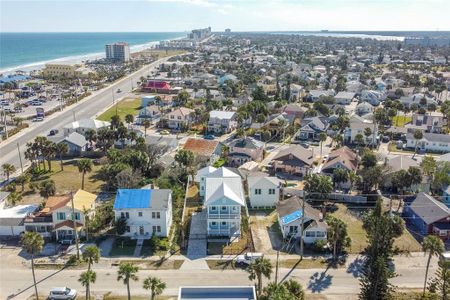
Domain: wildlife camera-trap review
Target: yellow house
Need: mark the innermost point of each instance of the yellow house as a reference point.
(84, 206)
(63, 70)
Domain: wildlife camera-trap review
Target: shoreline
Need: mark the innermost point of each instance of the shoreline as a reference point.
(77, 59)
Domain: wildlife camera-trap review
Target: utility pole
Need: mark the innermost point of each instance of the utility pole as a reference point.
(303, 224)
(20, 157)
(75, 226)
(276, 267)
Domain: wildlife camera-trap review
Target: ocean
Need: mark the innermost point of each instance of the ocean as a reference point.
(28, 51)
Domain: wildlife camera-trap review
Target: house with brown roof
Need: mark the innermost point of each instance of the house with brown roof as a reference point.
(204, 148)
(56, 218)
(179, 119)
(294, 160)
(342, 158)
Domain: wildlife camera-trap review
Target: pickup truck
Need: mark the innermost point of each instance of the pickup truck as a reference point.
(248, 258)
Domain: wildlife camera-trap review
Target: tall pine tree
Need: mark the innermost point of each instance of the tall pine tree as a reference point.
(381, 230)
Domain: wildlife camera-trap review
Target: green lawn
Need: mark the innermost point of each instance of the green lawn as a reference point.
(70, 178)
(406, 242)
(123, 247)
(401, 121)
(122, 108)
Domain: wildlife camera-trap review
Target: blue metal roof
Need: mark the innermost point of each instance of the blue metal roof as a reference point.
(133, 198)
(292, 217)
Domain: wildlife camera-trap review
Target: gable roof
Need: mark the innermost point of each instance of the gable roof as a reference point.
(88, 123)
(344, 156)
(297, 152)
(257, 180)
(220, 114)
(76, 139)
(431, 137)
(428, 208)
(401, 162)
(291, 209)
(83, 200)
(224, 183)
(246, 142)
(55, 202)
(201, 146)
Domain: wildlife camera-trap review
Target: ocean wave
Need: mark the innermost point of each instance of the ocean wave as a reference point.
(74, 59)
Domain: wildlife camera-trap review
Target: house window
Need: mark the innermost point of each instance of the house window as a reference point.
(156, 215)
(310, 234)
(320, 234)
(271, 191)
(224, 208)
(293, 229)
(125, 215)
(224, 223)
(257, 191)
(213, 223)
(61, 216)
(140, 213)
(442, 232)
(213, 208)
(77, 216)
(156, 229)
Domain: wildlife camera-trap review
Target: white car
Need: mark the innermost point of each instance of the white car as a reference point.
(38, 119)
(62, 293)
(248, 258)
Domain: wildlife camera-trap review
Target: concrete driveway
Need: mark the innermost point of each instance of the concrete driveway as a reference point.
(197, 244)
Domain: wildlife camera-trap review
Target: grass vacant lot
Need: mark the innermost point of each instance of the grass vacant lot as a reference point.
(123, 247)
(406, 242)
(401, 121)
(123, 108)
(70, 179)
(217, 264)
(161, 264)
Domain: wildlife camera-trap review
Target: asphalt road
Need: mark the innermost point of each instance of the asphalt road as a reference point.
(334, 283)
(86, 108)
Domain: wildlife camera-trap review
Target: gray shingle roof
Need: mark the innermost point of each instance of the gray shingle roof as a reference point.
(76, 139)
(429, 209)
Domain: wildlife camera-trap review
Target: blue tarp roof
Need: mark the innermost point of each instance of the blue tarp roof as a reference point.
(292, 217)
(132, 198)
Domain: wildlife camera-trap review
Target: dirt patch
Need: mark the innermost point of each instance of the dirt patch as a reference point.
(266, 234)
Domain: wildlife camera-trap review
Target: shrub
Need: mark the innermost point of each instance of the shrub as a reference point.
(320, 246)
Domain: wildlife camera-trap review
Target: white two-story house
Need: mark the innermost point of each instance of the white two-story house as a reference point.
(221, 121)
(147, 212)
(224, 198)
(179, 119)
(263, 190)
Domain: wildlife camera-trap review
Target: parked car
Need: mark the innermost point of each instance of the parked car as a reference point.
(53, 132)
(119, 91)
(209, 137)
(62, 293)
(38, 119)
(164, 132)
(248, 258)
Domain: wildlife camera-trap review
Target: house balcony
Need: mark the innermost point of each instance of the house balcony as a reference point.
(232, 216)
(229, 232)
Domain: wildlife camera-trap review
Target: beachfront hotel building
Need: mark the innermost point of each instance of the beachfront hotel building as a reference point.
(118, 51)
(61, 70)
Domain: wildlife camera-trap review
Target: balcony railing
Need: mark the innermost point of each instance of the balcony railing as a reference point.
(223, 216)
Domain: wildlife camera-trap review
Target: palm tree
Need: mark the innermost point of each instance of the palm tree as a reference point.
(32, 243)
(90, 136)
(8, 169)
(259, 268)
(23, 179)
(418, 135)
(322, 138)
(91, 255)
(61, 149)
(146, 124)
(155, 285)
(434, 246)
(129, 119)
(126, 272)
(13, 198)
(86, 278)
(367, 132)
(84, 166)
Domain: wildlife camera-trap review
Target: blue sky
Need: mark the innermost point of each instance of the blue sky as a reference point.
(239, 15)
